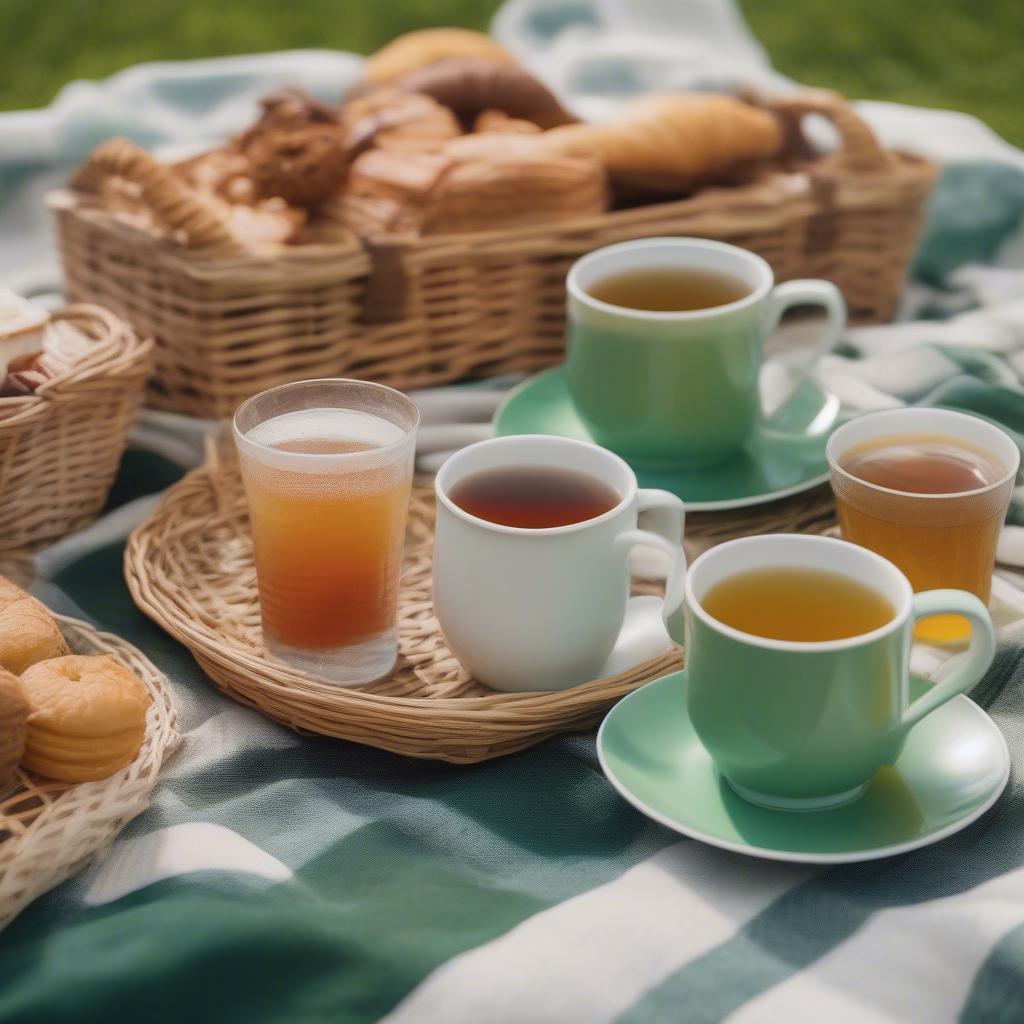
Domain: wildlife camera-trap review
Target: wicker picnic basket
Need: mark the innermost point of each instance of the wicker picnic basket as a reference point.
(50, 830)
(60, 447)
(190, 568)
(414, 311)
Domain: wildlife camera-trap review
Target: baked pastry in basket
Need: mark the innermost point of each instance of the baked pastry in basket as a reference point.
(469, 85)
(28, 632)
(414, 50)
(670, 143)
(475, 183)
(22, 325)
(13, 725)
(397, 120)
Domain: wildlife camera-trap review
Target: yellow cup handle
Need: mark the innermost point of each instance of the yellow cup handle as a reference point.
(971, 665)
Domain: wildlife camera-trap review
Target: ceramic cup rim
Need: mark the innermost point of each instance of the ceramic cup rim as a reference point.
(946, 415)
(896, 623)
(450, 465)
(326, 458)
(682, 243)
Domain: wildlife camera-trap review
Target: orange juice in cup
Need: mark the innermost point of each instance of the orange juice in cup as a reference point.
(327, 467)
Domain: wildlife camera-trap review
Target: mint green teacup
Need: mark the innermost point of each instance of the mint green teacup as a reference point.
(802, 726)
(678, 388)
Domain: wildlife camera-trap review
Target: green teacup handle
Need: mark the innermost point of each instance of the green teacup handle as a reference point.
(810, 292)
(666, 515)
(974, 662)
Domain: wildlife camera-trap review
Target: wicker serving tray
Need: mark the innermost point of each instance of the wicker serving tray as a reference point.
(189, 567)
(50, 830)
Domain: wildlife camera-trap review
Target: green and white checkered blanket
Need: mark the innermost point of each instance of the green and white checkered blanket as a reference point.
(286, 878)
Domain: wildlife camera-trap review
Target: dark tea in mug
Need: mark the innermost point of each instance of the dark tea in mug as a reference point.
(533, 497)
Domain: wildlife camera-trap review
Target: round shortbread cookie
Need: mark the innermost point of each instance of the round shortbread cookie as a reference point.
(87, 719)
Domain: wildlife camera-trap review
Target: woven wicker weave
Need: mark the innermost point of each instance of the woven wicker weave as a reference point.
(444, 307)
(189, 567)
(51, 830)
(60, 448)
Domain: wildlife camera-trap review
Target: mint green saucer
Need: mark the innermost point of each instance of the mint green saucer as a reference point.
(952, 769)
(773, 465)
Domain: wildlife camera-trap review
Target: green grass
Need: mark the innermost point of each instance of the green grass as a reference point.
(963, 54)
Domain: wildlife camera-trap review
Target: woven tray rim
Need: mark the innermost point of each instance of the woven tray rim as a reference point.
(53, 858)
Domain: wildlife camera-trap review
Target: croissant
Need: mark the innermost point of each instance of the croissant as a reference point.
(415, 50)
(668, 143)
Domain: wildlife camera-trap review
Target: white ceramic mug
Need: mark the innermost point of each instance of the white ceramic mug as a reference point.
(526, 609)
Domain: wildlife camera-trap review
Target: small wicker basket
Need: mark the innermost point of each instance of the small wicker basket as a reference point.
(50, 830)
(414, 311)
(60, 447)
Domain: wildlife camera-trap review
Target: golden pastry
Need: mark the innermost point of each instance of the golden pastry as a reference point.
(392, 119)
(28, 632)
(499, 121)
(415, 50)
(87, 717)
(24, 375)
(475, 183)
(668, 143)
(22, 326)
(13, 718)
(303, 166)
(469, 85)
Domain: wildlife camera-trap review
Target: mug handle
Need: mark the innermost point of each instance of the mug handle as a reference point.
(974, 662)
(810, 292)
(667, 515)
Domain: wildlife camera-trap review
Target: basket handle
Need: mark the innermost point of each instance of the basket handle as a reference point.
(859, 150)
(174, 205)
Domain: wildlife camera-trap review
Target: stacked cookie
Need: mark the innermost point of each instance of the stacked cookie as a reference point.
(67, 717)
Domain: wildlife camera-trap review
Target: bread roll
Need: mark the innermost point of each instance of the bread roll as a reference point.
(13, 726)
(476, 183)
(669, 143)
(28, 632)
(470, 85)
(415, 50)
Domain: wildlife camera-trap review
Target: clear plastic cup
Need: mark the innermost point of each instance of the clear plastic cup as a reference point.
(327, 467)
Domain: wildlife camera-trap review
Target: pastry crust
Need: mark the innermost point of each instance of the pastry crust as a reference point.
(415, 50)
(87, 717)
(28, 632)
(475, 183)
(669, 143)
(13, 727)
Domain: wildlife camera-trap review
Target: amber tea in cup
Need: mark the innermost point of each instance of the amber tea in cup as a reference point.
(929, 490)
(327, 468)
(669, 289)
(797, 604)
